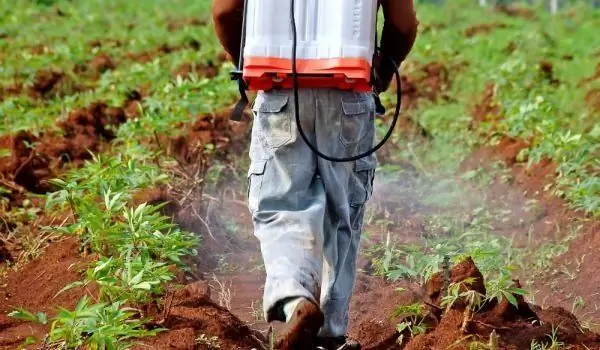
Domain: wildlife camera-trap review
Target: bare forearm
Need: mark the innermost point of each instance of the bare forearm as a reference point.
(398, 37)
(228, 17)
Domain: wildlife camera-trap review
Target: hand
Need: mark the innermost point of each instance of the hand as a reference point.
(383, 72)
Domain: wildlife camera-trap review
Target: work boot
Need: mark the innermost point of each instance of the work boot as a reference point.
(339, 343)
(300, 331)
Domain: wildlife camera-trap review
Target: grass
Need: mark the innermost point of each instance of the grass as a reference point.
(137, 248)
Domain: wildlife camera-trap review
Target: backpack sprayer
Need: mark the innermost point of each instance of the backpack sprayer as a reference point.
(337, 50)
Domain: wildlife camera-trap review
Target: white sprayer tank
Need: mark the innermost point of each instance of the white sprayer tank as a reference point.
(335, 38)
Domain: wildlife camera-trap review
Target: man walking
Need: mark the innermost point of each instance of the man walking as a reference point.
(308, 212)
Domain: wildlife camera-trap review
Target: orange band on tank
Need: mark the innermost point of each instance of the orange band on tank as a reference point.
(265, 73)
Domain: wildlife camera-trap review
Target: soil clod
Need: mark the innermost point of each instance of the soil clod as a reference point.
(208, 70)
(35, 159)
(517, 324)
(485, 28)
(192, 313)
(102, 63)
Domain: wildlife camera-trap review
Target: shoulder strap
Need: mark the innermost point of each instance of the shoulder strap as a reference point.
(238, 110)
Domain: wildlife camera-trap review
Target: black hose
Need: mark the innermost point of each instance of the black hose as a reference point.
(297, 106)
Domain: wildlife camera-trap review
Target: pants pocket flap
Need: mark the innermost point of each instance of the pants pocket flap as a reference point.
(257, 167)
(366, 163)
(273, 104)
(355, 107)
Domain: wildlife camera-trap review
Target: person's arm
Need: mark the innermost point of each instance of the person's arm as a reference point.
(228, 16)
(397, 39)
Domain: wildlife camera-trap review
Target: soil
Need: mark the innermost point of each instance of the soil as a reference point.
(47, 84)
(5, 255)
(191, 313)
(431, 82)
(45, 81)
(216, 129)
(164, 49)
(105, 42)
(516, 326)
(547, 72)
(592, 98)
(549, 219)
(432, 27)
(510, 48)
(485, 28)
(52, 84)
(177, 24)
(11, 90)
(593, 77)
(486, 110)
(516, 11)
(101, 63)
(35, 286)
(375, 326)
(83, 131)
(207, 70)
(195, 310)
(39, 49)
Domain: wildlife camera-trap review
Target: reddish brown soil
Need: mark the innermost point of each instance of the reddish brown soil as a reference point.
(208, 70)
(516, 11)
(190, 313)
(216, 129)
(486, 110)
(546, 69)
(5, 255)
(510, 48)
(593, 100)
(177, 24)
(105, 42)
(102, 63)
(34, 287)
(83, 131)
(484, 28)
(222, 56)
(432, 27)
(526, 184)
(164, 49)
(593, 77)
(516, 327)
(51, 84)
(372, 311)
(39, 49)
(11, 90)
(45, 81)
(46, 84)
(430, 82)
(549, 219)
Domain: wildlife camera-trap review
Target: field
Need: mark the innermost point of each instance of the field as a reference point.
(123, 218)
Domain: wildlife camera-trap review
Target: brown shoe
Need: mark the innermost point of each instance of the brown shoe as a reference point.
(340, 343)
(300, 332)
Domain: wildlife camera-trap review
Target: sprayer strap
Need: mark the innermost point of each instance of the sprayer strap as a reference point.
(238, 110)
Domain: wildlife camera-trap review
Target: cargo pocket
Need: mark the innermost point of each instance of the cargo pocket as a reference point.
(358, 116)
(364, 174)
(255, 179)
(362, 189)
(274, 119)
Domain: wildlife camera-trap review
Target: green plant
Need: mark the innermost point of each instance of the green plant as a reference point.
(553, 345)
(413, 320)
(94, 326)
(212, 342)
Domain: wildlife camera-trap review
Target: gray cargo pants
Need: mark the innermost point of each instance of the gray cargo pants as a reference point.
(308, 212)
